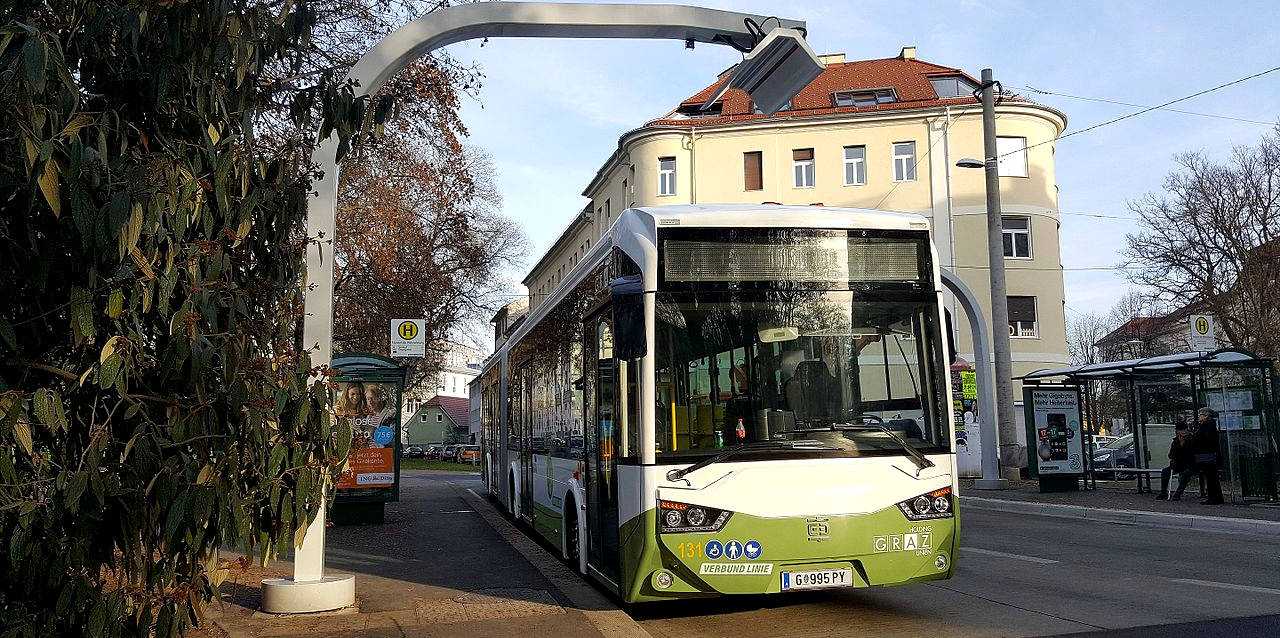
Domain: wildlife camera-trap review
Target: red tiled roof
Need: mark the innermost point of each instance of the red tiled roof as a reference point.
(909, 78)
(458, 408)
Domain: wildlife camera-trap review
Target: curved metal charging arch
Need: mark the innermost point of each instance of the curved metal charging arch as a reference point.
(310, 590)
(986, 377)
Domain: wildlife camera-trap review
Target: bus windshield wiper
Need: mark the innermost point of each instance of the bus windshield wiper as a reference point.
(677, 474)
(915, 455)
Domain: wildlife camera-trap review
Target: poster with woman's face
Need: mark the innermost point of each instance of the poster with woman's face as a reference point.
(372, 410)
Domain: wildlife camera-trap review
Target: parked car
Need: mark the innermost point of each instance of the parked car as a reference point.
(414, 452)
(1121, 452)
(435, 451)
(450, 453)
(469, 454)
(1102, 440)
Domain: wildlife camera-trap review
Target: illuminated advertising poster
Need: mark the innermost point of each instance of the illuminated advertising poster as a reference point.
(1054, 430)
(371, 408)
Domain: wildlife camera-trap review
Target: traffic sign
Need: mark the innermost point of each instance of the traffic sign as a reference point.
(1202, 335)
(408, 338)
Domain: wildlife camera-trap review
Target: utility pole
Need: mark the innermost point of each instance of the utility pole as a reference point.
(1010, 453)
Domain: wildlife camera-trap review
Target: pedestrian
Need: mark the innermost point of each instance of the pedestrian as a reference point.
(1207, 455)
(1182, 462)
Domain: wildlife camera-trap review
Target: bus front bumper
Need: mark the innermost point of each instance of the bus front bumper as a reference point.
(753, 555)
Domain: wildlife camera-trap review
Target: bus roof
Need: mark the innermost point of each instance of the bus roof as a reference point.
(767, 215)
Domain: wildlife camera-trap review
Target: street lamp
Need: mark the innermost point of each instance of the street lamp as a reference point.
(777, 66)
(969, 162)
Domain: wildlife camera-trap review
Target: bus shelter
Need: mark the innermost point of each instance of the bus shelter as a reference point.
(1157, 392)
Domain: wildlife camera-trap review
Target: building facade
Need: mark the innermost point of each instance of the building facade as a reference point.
(882, 134)
(440, 419)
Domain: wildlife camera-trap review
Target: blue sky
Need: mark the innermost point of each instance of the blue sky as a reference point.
(551, 111)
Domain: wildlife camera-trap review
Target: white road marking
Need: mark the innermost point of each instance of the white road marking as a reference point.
(1210, 583)
(990, 552)
(456, 512)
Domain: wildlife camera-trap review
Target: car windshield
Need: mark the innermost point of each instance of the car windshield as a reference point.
(806, 368)
(1119, 443)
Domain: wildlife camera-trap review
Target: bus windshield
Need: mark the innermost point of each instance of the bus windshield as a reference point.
(806, 368)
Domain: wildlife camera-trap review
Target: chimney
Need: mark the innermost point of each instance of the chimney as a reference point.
(827, 59)
(907, 53)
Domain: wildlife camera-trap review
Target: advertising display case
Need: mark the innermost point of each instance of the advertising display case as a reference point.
(368, 395)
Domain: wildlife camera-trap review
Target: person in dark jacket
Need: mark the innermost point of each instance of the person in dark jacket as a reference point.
(1207, 455)
(1182, 462)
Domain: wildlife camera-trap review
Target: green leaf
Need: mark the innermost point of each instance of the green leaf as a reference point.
(7, 335)
(82, 313)
(34, 55)
(48, 408)
(109, 371)
(49, 180)
(22, 432)
(74, 490)
(115, 303)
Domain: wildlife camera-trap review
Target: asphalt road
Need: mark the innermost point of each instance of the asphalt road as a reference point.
(1018, 575)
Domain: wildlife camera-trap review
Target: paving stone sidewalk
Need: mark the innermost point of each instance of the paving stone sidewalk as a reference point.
(445, 563)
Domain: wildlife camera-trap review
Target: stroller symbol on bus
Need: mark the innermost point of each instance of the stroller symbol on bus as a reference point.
(733, 550)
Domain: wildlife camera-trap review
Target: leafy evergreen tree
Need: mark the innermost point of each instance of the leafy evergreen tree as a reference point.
(154, 406)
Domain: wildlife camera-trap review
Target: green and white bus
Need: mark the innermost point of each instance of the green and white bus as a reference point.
(734, 400)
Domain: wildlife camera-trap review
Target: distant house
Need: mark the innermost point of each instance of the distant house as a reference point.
(441, 419)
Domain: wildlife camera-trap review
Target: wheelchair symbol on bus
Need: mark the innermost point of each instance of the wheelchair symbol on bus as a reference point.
(714, 549)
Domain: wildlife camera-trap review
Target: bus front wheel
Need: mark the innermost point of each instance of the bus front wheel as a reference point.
(572, 540)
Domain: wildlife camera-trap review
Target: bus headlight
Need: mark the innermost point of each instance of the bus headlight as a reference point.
(935, 504)
(681, 517)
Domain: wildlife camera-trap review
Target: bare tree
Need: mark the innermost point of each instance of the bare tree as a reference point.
(1212, 239)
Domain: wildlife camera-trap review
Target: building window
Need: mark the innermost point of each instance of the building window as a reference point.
(753, 171)
(954, 86)
(666, 176)
(904, 161)
(608, 210)
(864, 98)
(424, 418)
(1022, 317)
(802, 161)
(855, 165)
(1017, 236)
(439, 417)
(1012, 154)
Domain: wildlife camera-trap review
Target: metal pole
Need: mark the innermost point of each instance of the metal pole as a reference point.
(1012, 455)
(991, 479)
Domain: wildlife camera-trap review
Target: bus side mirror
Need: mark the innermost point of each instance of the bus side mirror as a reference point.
(628, 317)
(951, 337)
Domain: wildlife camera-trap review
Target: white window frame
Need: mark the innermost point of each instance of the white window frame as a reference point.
(855, 162)
(906, 162)
(439, 417)
(666, 178)
(1014, 241)
(801, 169)
(1035, 325)
(1011, 154)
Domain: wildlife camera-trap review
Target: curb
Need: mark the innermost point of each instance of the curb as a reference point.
(1219, 524)
(610, 620)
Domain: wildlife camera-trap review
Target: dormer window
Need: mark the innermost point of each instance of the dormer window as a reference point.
(864, 98)
(695, 110)
(952, 86)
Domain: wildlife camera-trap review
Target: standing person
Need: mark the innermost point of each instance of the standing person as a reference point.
(1182, 461)
(1207, 455)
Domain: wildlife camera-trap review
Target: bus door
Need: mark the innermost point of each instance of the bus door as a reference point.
(603, 445)
(526, 444)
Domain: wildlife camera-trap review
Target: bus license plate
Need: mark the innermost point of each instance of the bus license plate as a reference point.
(817, 579)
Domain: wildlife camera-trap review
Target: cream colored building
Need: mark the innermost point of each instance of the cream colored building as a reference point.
(870, 134)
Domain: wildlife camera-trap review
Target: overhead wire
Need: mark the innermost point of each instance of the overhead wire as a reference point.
(1143, 106)
(1143, 111)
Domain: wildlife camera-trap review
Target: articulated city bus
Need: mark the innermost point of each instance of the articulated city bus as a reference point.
(734, 400)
